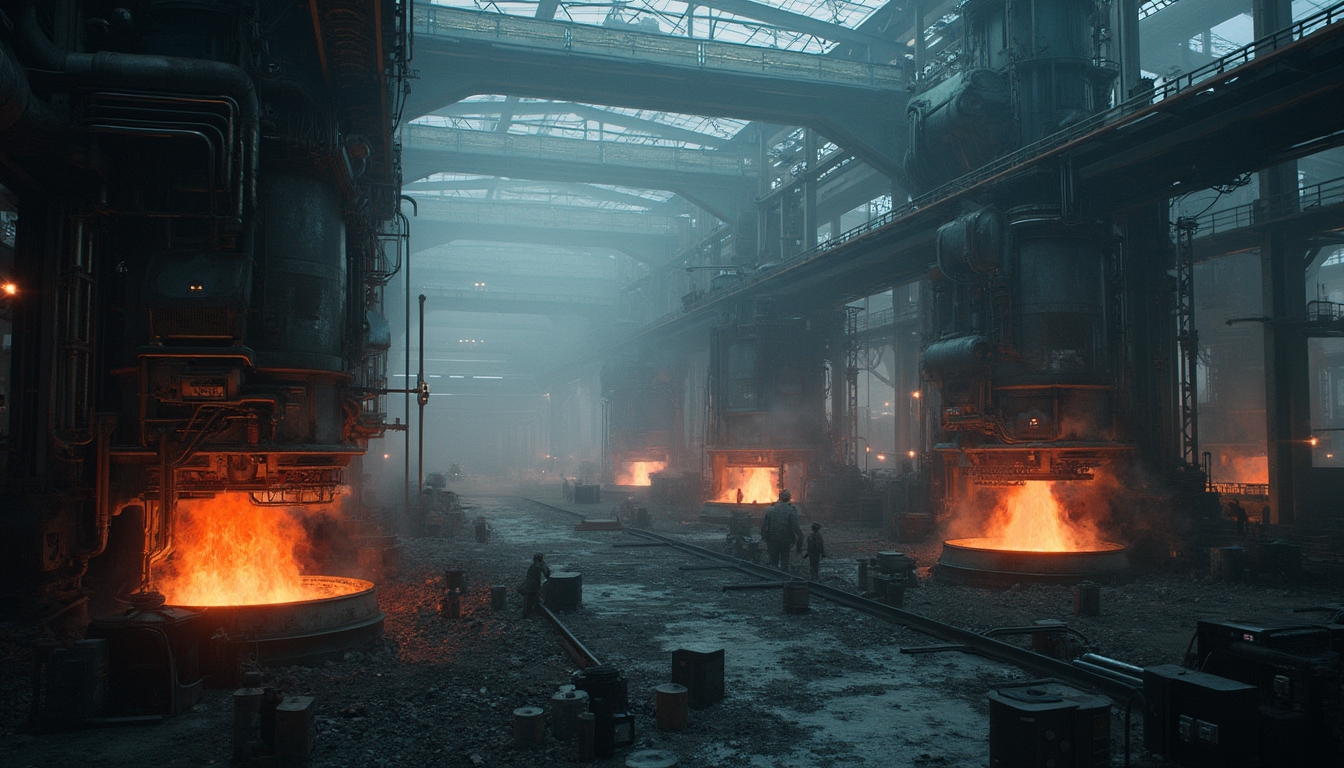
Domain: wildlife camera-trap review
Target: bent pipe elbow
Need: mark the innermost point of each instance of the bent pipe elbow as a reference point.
(148, 72)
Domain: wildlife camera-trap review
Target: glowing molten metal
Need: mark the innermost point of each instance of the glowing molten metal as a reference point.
(1028, 518)
(229, 551)
(637, 472)
(760, 485)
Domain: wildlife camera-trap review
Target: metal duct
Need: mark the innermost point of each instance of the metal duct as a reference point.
(967, 354)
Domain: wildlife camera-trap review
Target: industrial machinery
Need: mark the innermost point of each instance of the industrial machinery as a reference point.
(1022, 351)
(208, 212)
(643, 419)
(767, 422)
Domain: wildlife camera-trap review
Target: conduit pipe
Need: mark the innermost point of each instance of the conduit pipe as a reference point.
(150, 73)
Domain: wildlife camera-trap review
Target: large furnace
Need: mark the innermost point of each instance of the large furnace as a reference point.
(1026, 350)
(767, 422)
(643, 421)
(208, 212)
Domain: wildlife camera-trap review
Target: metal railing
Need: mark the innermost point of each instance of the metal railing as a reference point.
(1268, 209)
(1240, 489)
(457, 210)
(450, 23)
(717, 162)
(449, 292)
(1005, 165)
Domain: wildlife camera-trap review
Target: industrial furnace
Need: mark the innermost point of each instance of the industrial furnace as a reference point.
(208, 202)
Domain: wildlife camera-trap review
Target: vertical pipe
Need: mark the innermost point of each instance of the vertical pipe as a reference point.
(422, 396)
(406, 398)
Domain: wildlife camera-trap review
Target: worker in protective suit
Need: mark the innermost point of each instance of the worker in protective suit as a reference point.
(780, 531)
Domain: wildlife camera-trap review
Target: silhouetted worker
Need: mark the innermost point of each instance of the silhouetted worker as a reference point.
(531, 586)
(1238, 514)
(739, 495)
(780, 531)
(625, 510)
(816, 549)
(482, 531)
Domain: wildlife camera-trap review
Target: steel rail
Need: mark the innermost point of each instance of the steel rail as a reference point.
(985, 646)
(575, 647)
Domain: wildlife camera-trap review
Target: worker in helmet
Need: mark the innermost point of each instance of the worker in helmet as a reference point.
(780, 531)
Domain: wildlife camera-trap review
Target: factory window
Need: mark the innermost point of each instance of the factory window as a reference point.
(1326, 363)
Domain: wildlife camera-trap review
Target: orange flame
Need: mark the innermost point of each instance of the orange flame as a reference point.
(759, 485)
(1029, 518)
(229, 551)
(1242, 469)
(637, 472)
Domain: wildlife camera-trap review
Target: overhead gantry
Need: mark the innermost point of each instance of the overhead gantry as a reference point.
(720, 181)
(858, 105)
(644, 236)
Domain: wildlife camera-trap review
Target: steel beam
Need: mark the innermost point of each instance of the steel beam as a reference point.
(461, 53)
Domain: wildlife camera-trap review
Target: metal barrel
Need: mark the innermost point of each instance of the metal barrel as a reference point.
(528, 726)
(670, 706)
(566, 706)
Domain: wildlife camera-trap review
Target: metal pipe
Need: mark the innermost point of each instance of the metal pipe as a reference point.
(1115, 664)
(154, 73)
(1119, 677)
(422, 397)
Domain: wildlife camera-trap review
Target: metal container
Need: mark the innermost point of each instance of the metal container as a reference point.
(587, 735)
(670, 706)
(702, 674)
(529, 726)
(983, 562)
(455, 578)
(302, 632)
(153, 660)
(564, 591)
(608, 698)
(304, 290)
(566, 706)
(1087, 599)
(894, 562)
(1046, 724)
(795, 597)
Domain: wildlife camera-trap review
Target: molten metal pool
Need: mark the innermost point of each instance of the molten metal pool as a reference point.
(984, 562)
(340, 615)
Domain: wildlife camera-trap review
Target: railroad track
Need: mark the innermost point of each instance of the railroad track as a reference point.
(1119, 685)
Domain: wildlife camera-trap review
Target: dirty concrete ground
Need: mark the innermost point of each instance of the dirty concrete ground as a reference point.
(827, 688)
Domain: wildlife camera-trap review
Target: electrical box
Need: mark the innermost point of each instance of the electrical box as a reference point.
(1047, 724)
(1197, 719)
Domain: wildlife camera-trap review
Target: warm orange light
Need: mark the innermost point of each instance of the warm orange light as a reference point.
(229, 551)
(637, 472)
(881, 457)
(759, 485)
(1314, 440)
(10, 289)
(1030, 518)
(911, 454)
(915, 394)
(387, 455)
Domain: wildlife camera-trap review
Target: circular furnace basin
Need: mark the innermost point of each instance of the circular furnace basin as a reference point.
(341, 616)
(979, 562)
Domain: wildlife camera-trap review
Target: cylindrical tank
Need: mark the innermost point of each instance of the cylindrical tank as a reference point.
(958, 125)
(1049, 44)
(1061, 297)
(1060, 385)
(303, 283)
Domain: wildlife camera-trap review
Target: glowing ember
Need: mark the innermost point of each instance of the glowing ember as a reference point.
(759, 485)
(229, 551)
(637, 472)
(1028, 518)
